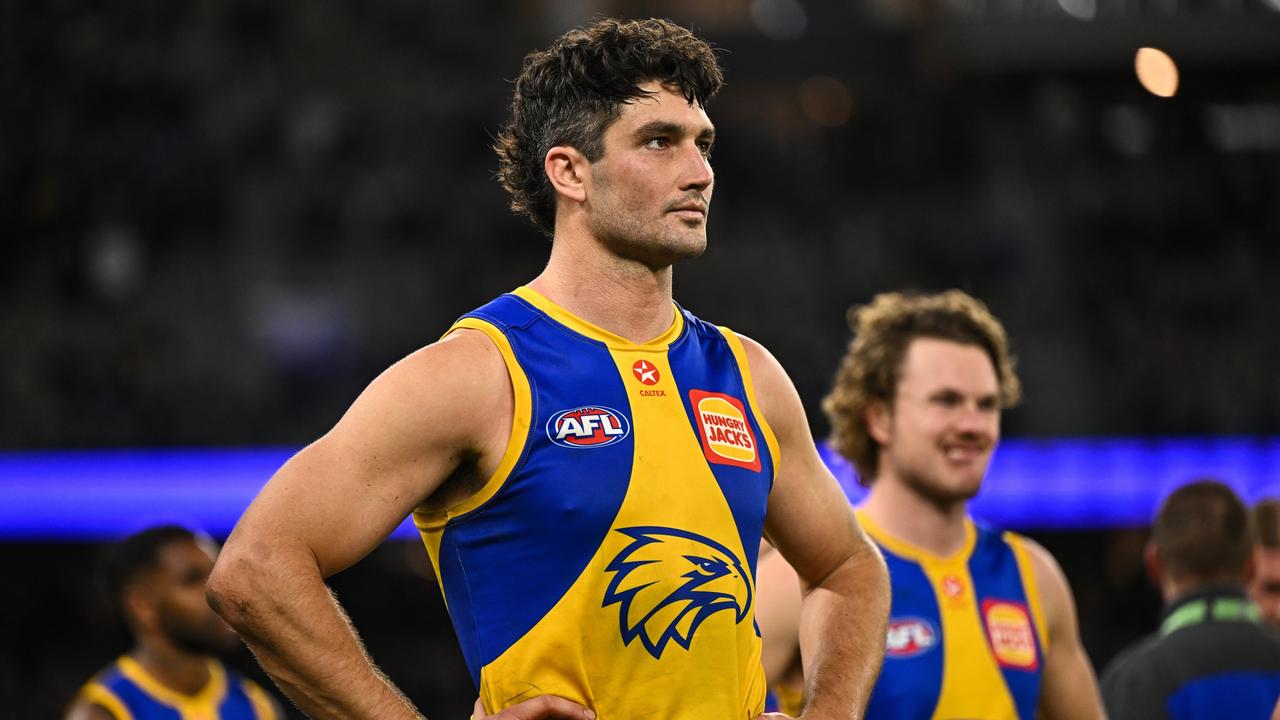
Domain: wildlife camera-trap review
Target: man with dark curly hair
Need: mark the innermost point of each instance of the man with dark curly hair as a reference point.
(982, 623)
(589, 464)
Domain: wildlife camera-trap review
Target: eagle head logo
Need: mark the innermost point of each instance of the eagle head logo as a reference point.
(667, 581)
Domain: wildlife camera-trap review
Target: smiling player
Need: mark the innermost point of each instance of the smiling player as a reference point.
(982, 624)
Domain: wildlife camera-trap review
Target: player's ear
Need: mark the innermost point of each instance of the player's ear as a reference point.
(569, 171)
(138, 607)
(1155, 567)
(879, 420)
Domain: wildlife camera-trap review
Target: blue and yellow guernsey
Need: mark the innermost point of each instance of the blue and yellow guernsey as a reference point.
(129, 692)
(966, 632)
(611, 557)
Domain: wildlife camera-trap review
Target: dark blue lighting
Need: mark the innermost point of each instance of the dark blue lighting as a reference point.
(1033, 484)
(88, 495)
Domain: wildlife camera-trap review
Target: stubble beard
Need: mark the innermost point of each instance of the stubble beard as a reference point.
(935, 493)
(628, 238)
(196, 639)
(655, 244)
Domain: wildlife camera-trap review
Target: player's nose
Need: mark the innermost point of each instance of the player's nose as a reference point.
(973, 421)
(696, 173)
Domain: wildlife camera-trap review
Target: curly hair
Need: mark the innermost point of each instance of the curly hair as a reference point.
(870, 370)
(571, 92)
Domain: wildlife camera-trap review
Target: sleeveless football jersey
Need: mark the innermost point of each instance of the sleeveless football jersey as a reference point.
(129, 692)
(611, 558)
(966, 632)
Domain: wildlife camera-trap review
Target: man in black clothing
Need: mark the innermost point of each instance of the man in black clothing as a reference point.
(1212, 657)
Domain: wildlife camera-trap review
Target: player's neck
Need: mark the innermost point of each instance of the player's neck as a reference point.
(908, 516)
(1174, 589)
(624, 297)
(176, 669)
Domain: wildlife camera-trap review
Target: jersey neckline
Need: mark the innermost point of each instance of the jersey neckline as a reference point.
(910, 551)
(597, 333)
(208, 696)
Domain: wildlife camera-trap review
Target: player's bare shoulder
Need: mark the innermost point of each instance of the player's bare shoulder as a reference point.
(459, 385)
(1043, 563)
(774, 390)
(83, 709)
(443, 408)
(1055, 591)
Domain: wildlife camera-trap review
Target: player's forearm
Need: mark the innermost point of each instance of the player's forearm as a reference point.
(842, 636)
(287, 616)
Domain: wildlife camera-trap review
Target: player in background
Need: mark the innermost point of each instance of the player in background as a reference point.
(156, 580)
(983, 624)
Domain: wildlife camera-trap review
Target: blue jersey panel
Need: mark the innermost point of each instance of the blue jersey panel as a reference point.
(543, 527)
(771, 702)
(1226, 695)
(911, 679)
(703, 360)
(994, 569)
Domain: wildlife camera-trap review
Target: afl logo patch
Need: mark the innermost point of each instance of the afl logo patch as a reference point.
(588, 426)
(909, 637)
(727, 438)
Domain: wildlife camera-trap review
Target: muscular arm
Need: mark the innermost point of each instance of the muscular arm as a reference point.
(845, 586)
(335, 501)
(1069, 688)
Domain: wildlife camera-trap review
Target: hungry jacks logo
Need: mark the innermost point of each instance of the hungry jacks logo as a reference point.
(727, 437)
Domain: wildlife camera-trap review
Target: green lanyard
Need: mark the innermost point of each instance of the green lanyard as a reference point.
(1222, 609)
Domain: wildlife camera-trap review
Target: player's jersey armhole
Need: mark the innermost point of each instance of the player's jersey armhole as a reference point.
(263, 707)
(97, 694)
(1028, 572)
(744, 369)
(522, 418)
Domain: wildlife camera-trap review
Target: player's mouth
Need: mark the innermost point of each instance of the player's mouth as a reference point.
(689, 210)
(964, 453)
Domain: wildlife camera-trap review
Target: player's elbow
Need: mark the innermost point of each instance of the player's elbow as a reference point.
(238, 585)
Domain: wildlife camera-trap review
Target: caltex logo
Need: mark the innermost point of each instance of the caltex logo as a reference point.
(588, 426)
(952, 586)
(646, 372)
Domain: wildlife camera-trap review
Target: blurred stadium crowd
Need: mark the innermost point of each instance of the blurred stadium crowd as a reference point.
(222, 218)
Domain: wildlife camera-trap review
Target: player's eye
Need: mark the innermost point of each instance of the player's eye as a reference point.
(705, 147)
(658, 143)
